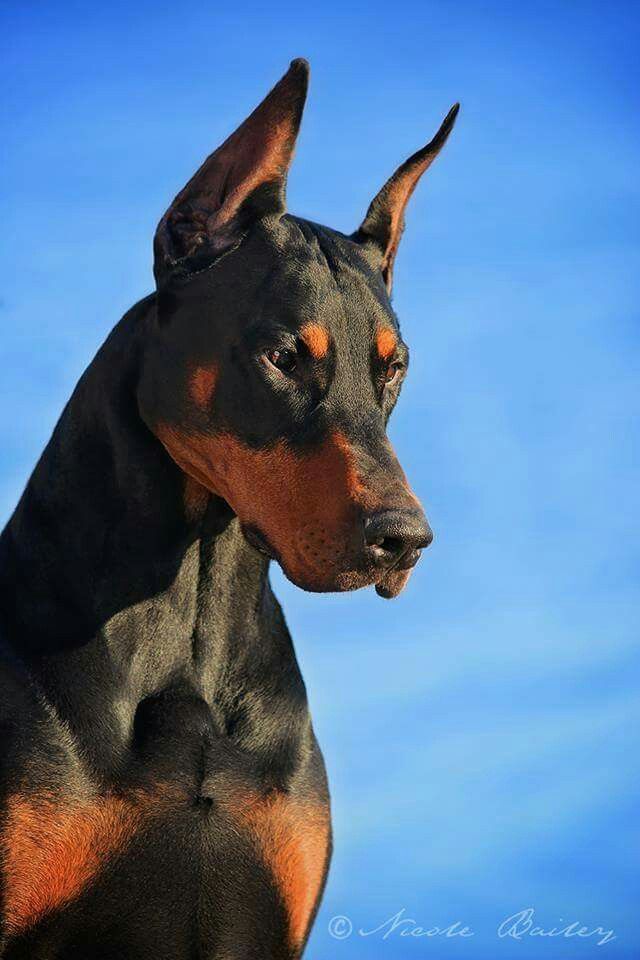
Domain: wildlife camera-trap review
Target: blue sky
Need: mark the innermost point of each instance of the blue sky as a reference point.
(481, 732)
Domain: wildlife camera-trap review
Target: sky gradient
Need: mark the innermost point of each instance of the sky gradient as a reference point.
(482, 731)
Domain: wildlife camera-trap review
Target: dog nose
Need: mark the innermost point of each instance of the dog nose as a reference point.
(392, 534)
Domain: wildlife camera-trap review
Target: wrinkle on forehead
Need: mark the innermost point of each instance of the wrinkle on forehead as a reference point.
(325, 269)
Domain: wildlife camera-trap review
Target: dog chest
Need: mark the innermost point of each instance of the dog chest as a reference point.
(117, 863)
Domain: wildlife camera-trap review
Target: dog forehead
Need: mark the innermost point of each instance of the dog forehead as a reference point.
(320, 276)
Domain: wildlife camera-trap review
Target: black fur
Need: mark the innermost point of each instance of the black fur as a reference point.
(143, 651)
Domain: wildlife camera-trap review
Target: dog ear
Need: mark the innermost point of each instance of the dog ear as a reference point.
(242, 181)
(383, 225)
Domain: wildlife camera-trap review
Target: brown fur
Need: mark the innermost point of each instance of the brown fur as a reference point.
(386, 343)
(292, 837)
(202, 383)
(275, 489)
(54, 847)
(316, 340)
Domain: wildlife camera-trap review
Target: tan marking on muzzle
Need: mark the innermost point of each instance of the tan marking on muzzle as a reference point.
(307, 504)
(281, 492)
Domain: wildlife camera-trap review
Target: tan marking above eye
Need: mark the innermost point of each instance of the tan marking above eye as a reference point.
(316, 340)
(202, 383)
(386, 342)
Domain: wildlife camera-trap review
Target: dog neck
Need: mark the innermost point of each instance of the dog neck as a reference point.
(112, 587)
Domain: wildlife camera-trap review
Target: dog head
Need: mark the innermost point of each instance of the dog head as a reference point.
(276, 358)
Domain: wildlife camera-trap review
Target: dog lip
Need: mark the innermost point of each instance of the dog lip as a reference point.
(259, 542)
(409, 560)
(395, 578)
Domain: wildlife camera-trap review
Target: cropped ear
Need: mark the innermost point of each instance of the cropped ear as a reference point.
(383, 225)
(243, 180)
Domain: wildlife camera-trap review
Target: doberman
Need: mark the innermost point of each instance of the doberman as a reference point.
(163, 794)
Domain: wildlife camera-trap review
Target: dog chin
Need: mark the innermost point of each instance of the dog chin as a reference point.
(393, 583)
(333, 581)
(388, 586)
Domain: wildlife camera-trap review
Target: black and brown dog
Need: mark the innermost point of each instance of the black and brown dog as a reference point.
(162, 791)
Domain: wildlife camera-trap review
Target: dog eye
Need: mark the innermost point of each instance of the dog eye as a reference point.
(393, 371)
(284, 360)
